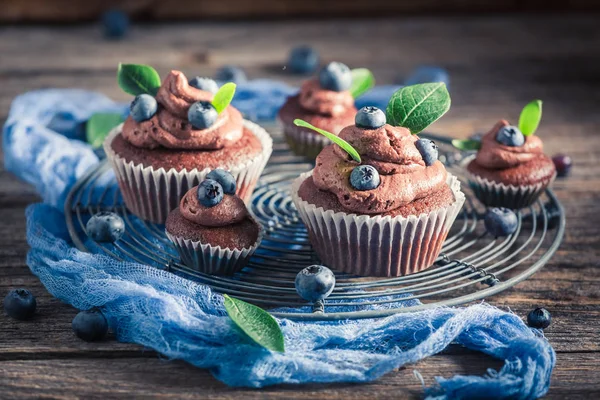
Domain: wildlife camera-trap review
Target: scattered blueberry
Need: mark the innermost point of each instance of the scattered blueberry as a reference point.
(202, 115)
(335, 76)
(370, 118)
(563, 164)
(105, 226)
(20, 304)
(143, 107)
(90, 325)
(364, 177)
(210, 193)
(115, 24)
(428, 150)
(510, 136)
(500, 221)
(426, 74)
(303, 60)
(206, 84)
(539, 318)
(315, 283)
(230, 73)
(225, 179)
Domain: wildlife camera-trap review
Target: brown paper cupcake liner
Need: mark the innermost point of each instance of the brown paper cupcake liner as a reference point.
(302, 141)
(496, 194)
(375, 245)
(152, 193)
(213, 260)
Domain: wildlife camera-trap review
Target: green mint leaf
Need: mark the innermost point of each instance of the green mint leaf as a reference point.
(258, 324)
(224, 96)
(530, 117)
(138, 79)
(347, 147)
(466, 144)
(418, 106)
(362, 81)
(99, 125)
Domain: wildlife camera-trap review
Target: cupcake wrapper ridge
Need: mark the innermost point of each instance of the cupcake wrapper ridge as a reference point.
(152, 193)
(495, 194)
(375, 245)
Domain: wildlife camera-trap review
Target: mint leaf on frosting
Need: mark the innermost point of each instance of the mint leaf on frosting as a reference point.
(418, 106)
(99, 125)
(137, 79)
(223, 97)
(362, 81)
(258, 324)
(466, 144)
(530, 117)
(347, 147)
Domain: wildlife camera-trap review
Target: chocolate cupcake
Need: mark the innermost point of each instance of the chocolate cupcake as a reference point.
(325, 102)
(385, 214)
(212, 229)
(164, 149)
(510, 169)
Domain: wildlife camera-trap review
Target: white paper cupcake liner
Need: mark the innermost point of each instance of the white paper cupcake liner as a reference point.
(375, 245)
(496, 194)
(213, 260)
(152, 193)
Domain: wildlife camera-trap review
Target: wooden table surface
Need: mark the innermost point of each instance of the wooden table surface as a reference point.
(496, 65)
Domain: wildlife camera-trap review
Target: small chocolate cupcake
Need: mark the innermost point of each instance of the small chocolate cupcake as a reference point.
(212, 229)
(168, 145)
(510, 169)
(324, 102)
(385, 215)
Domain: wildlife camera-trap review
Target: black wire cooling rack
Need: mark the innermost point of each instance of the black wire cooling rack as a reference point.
(472, 266)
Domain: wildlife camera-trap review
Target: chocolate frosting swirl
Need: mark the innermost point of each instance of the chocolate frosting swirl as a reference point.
(392, 151)
(170, 128)
(229, 211)
(495, 155)
(326, 102)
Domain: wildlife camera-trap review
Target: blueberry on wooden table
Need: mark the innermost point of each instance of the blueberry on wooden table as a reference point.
(20, 304)
(563, 164)
(231, 73)
(539, 318)
(315, 283)
(303, 60)
(115, 24)
(90, 325)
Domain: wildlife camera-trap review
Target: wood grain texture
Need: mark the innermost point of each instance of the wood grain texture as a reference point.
(496, 65)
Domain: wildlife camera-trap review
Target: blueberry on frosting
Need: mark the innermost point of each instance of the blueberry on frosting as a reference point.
(210, 193)
(225, 179)
(335, 76)
(510, 136)
(364, 177)
(370, 118)
(206, 84)
(202, 115)
(428, 150)
(143, 107)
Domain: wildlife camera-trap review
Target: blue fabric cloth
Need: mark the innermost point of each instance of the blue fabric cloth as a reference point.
(185, 320)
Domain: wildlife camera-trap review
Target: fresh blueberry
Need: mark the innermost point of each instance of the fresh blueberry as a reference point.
(539, 318)
(303, 60)
(563, 164)
(90, 325)
(335, 76)
(210, 193)
(143, 107)
(115, 24)
(364, 177)
(370, 118)
(202, 115)
(500, 221)
(315, 283)
(428, 150)
(231, 73)
(206, 84)
(510, 136)
(20, 304)
(225, 179)
(105, 226)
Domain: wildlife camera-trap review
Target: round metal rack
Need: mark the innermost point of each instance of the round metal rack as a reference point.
(472, 266)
